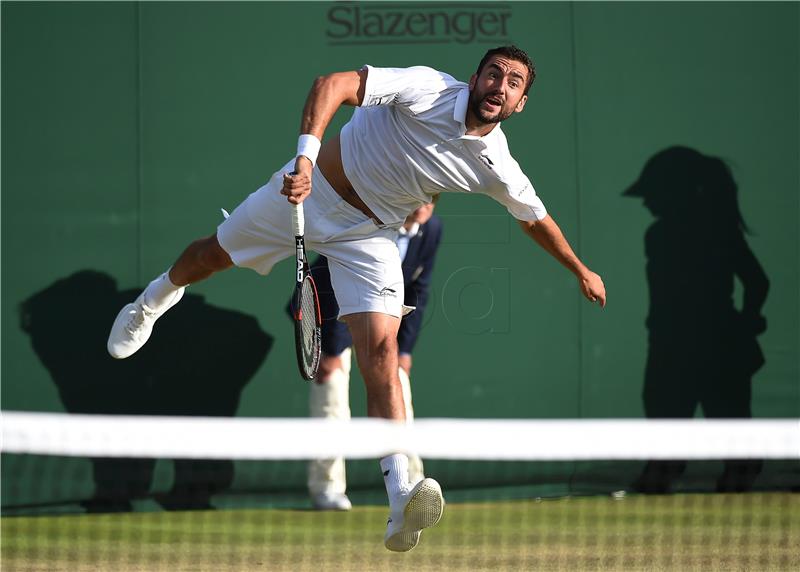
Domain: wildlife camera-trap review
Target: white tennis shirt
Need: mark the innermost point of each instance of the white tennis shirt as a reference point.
(408, 142)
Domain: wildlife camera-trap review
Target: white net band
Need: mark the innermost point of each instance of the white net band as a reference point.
(487, 440)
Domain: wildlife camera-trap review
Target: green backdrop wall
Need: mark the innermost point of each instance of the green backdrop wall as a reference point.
(125, 128)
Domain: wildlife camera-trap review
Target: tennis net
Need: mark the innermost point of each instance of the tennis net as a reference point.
(97, 492)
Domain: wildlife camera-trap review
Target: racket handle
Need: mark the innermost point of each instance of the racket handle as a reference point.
(298, 220)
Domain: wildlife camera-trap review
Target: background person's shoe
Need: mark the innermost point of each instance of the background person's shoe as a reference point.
(422, 508)
(134, 324)
(331, 501)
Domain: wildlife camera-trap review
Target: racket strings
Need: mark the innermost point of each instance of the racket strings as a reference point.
(309, 325)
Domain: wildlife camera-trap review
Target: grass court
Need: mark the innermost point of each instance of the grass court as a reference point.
(756, 531)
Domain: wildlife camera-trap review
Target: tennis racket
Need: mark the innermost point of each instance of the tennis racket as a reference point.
(305, 305)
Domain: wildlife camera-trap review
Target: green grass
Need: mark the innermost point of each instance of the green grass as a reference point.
(679, 532)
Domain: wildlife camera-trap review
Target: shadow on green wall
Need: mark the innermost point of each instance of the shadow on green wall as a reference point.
(197, 362)
(702, 350)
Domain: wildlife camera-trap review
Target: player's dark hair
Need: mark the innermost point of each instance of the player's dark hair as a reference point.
(514, 53)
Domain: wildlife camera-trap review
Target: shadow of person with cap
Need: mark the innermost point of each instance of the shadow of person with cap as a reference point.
(702, 349)
(184, 370)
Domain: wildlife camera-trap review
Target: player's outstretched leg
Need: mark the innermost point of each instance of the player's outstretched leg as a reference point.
(134, 323)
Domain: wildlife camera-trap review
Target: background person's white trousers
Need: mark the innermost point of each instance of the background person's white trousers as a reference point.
(332, 400)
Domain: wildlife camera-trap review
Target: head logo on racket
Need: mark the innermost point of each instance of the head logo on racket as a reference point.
(305, 305)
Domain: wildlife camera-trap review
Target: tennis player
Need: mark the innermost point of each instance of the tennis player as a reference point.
(416, 132)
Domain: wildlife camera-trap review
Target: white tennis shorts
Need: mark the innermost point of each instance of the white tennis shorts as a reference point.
(364, 262)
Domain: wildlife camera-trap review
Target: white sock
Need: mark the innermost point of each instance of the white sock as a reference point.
(395, 475)
(159, 291)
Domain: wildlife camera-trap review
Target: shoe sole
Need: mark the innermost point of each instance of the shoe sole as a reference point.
(402, 541)
(424, 509)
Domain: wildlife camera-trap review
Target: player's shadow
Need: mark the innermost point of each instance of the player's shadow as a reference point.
(703, 350)
(197, 362)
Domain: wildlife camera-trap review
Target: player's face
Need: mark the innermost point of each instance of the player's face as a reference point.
(498, 91)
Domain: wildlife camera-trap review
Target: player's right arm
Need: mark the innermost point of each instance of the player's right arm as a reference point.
(327, 95)
(402, 87)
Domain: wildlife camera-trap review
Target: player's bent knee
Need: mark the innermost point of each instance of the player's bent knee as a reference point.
(212, 256)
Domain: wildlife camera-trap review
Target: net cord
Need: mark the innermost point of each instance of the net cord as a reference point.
(485, 439)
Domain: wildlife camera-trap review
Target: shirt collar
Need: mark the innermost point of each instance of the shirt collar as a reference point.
(460, 109)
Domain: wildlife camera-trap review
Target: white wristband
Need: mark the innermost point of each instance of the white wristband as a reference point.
(308, 146)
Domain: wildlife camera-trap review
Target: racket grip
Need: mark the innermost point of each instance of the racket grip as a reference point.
(298, 220)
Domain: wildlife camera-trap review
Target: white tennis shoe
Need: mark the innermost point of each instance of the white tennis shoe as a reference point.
(331, 501)
(134, 324)
(421, 508)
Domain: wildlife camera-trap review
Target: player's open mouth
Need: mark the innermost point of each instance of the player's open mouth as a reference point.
(492, 101)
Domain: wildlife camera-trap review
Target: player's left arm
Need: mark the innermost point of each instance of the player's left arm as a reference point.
(548, 235)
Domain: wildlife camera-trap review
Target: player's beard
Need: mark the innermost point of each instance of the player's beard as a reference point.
(475, 101)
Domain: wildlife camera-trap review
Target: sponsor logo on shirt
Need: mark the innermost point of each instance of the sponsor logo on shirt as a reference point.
(353, 23)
